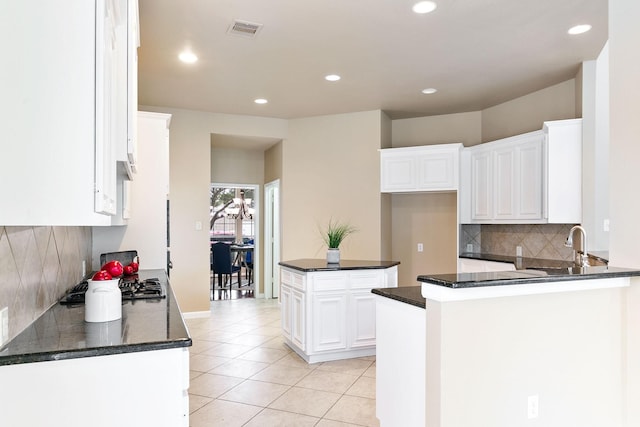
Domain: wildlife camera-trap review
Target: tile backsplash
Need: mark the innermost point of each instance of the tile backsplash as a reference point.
(37, 266)
(545, 241)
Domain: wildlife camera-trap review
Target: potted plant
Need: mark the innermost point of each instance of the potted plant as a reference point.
(333, 236)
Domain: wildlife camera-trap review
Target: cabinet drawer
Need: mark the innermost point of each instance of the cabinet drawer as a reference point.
(329, 281)
(367, 279)
(295, 280)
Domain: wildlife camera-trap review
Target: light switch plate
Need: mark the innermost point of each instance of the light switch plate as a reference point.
(4, 325)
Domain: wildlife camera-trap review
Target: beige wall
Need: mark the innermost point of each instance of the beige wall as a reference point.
(273, 163)
(462, 127)
(237, 166)
(190, 178)
(486, 357)
(331, 170)
(430, 219)
(527, 113)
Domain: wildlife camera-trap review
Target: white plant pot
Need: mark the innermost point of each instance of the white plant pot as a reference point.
(333, 256)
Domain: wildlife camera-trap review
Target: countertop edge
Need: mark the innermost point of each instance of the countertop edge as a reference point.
(92, 352)
(526, 280)
(384, 292)
(358, 265)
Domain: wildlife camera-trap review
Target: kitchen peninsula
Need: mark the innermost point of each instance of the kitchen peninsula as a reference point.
(63, 371)
(504, 348)
(327, 310)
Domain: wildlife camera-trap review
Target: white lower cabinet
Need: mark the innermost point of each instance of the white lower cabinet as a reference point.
(330, 315)
(147, 388)
(298, 302)
(329, 321)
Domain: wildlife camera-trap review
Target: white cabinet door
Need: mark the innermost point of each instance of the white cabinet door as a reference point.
(298, 319)
(481, 185)
(437, 170)
(397, 173)
(518, 180)
(285, 310)
(362, 310)
(329, 324)
(423, 168)
(529, 180)
(504, 160)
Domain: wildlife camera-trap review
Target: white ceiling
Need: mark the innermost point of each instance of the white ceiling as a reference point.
(477, 53)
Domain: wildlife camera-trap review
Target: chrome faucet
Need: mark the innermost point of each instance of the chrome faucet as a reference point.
(580, 257)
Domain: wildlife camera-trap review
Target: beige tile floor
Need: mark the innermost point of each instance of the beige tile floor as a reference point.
(242, 374)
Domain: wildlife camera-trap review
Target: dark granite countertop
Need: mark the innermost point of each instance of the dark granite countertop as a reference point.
(530, 275)
(308, 265)
(408, 294)
(61, 332)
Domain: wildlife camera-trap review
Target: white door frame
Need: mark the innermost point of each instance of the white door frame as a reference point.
(272, 239)
(256, 224)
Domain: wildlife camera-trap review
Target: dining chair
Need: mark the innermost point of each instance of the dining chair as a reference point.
(221, 263)
(248, 262)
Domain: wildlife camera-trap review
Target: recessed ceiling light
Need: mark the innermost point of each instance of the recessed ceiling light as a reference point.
(188, 57)
(424, 7)
(260, 101)
(579, 29)
(429, 91)
(332, 77)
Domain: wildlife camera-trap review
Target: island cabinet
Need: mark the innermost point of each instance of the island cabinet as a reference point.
(530, 178)
(418, 169)
(328, 312)
(66, 105)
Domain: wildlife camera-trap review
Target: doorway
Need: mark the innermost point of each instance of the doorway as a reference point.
(272, 239)
(234, 220)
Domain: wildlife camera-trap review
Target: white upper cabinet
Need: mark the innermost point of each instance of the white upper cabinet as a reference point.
(529, 178)
(418, 169)
(62, 110)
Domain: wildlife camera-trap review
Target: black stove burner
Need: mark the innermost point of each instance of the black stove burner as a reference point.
(131, 288)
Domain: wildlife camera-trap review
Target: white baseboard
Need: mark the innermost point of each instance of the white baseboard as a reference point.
(196, 314)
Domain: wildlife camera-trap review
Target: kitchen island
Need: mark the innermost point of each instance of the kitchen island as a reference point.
(63, 371)
(327, 310)
(545, 346)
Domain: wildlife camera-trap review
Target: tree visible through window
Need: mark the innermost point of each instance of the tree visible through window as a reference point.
(222, 222)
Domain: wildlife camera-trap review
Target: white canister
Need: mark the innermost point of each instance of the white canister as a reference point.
(103, 301)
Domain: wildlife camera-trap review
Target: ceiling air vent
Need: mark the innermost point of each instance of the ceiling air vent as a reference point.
(244, 29)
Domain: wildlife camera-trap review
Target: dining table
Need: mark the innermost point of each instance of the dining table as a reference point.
(240, 251)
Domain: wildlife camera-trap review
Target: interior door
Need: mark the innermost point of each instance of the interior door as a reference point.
(272, 240)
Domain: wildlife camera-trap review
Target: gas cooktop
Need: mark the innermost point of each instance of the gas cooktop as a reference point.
(131, 287)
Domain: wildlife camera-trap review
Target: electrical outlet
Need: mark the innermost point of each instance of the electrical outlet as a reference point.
(532, 406)
(605, 225)
(519, 251)
(198, 225)
(4, 325)
(469, 247)
(84, 268)
(420, 247)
